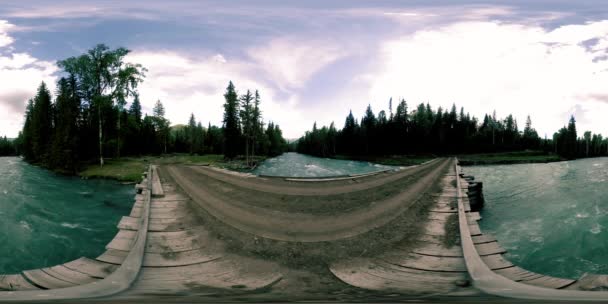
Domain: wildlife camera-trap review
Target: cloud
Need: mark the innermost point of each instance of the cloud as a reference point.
(5, 39)
(510, 68)
(290, 62)
(188, 85)
(20, 75)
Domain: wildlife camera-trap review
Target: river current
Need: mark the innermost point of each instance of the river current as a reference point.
(552, 218)
(48, 219)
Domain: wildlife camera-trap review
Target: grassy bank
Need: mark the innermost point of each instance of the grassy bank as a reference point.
(507, 158)
(129, 169)
(391, 160)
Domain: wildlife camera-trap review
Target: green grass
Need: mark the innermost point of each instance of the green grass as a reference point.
(508, 158)
(130, 169)
(393, 160)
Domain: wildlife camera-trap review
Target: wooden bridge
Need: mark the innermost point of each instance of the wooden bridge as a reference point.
(166, 246)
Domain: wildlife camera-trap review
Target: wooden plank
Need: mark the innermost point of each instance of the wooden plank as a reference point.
(162, 212)
(484, 238)
(427, 238)
(15, 282)
(93, 268)
(161, 203)
(123, 240)
(434, 228)
(45, 280)
(517, 274)
(425, 262)
(129, 223)
(377, 275)
(157, 189)
(436, 250)
(183, 258)
(550, 282)
(496, 261)
(173, 224)
(489, 248)
(63, 273)
(474, 229)
(241, 273)
(113, 256)
(161, 242)
(159, 224)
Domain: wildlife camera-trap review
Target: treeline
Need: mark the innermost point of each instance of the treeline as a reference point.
(7, 147)
(425, 130)
(243, 131)
(567, 143)
(89, 119)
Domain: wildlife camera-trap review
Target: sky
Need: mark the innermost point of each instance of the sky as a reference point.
(316, 60)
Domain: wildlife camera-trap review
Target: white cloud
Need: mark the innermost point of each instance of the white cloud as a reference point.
(187, 85)
(291, 62)
(510, 68)
(5, 39)
(20, 75)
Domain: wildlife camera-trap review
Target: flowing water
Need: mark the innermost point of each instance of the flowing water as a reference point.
(300, 165)
(552, 218)
(46, 219)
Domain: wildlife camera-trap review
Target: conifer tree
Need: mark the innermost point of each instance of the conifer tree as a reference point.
(231, 128)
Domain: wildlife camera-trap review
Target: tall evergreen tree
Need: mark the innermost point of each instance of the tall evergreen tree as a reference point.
(42, 124)
(232, 132)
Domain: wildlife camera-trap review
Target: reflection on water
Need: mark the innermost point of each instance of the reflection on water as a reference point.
(300, 165)
(47, 219)
(552, 218)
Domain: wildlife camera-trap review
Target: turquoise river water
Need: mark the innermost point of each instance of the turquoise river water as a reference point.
(300, 165)
(47, 219)
(552, 218)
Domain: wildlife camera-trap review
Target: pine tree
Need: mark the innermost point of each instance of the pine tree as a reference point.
(42, 124)
(247, 125)
(231, 128)
(161, 124)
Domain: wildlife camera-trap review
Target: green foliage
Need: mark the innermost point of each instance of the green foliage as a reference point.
(425, 131)
(7, 147)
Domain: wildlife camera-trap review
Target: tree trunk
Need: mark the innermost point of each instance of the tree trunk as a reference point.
(100, 136)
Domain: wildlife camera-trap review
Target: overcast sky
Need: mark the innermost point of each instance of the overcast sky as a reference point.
(316, 60)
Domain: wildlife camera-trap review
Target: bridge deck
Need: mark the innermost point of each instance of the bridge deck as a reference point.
(182, 256)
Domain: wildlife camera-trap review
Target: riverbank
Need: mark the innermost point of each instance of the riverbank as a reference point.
(508, 158)
(129, 169)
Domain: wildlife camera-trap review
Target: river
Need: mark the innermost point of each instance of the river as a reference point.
(552, 218)
(47, 219)
(300, 165)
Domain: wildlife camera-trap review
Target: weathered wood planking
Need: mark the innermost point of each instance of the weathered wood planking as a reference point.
(93, 268)
(241, 274)
(163, 242)
(443, 216)
(435, 250)
(496, 261)
(45, 280)
(157, 189)
(484, 238)
(157, 225)
(63, 273)
(425, 262)
(374, 274)
(15, 282)
(517, 274)
(161, 212)
(550, 282)
(489, 249)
